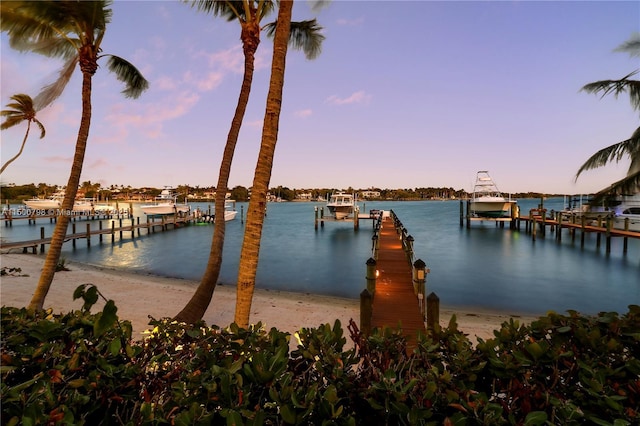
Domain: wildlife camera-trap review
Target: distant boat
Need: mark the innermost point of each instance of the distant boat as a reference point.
(166, 203)
(487, 201)
(341, 205)
(230, 211)
(54, 202)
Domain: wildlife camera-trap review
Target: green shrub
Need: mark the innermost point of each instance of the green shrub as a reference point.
(83, 368)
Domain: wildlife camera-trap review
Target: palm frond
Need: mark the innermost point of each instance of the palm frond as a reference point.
(627, 186)
(134, 81)
(11, 121)
(229, 10)
(305, 35)
(51, 92)
(612, 153)
(632, 45)
(625, 84)
(41, 127)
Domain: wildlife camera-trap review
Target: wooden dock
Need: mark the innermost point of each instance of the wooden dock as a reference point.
(602, 226)
(118, 227)
(397, 296)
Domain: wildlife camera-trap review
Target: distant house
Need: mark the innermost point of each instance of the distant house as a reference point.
(369, 194)
(304, 196)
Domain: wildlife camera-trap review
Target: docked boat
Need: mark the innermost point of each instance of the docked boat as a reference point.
(230, 211)
(166, 203)
(54, 202)
(487, 201)
(341, 205)
(627, 212)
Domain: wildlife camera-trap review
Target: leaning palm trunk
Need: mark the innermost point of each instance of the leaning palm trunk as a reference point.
(257, 204)
(24, 141)
(60, 230)
(199, 302)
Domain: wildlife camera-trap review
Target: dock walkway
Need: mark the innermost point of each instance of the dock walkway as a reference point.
(395, 302)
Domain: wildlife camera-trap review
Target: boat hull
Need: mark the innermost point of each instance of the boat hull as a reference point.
(491, 209)
(340, 212)
(164, 209)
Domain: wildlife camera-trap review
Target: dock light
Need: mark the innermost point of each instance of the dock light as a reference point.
(377, 273)
(420, 268)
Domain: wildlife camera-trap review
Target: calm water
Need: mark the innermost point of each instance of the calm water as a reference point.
(483, 266)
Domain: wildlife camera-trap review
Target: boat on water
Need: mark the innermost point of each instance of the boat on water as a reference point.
(627, 212)
(341, 205)
(166, 203)
(230, 213)
(487, 201)
(54, 202)
(624, 209)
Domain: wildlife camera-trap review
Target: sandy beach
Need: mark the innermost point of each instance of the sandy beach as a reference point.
(139, 296)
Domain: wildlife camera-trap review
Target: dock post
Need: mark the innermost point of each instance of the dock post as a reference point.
(113, 231)
(544, 223)
(133, 227)
(242, 214)
(598, 234)
(88, 234)
(583, 223)
(100, 228)
(559, 228)
(468, 214)
(120, 227)
(608, 233)
(409, 247)
(73, 231)
(42, 238)
(138, 223)
(366, 311)
(433, 313)
(625, 240)
(315, 218)
(461, 214)
(371, 276)
(321, 217)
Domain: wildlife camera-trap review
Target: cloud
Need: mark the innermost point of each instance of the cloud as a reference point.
(303, 113)
(150, 118)
(360, 97)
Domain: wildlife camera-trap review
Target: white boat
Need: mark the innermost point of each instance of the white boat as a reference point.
(487, 201)
(54, 202)
(341, 205)
(230, 211)
(166, 203)
(627, 211)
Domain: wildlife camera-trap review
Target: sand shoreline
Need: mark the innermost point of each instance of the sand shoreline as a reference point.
(139, 296)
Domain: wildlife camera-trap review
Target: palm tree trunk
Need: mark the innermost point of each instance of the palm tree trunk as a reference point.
(257, 204)
(196, 307)
(60, 230)
(24, 141)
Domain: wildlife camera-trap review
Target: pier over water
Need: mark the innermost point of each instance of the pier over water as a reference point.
(395, 283)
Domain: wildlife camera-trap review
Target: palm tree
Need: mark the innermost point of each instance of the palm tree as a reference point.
(258, 202)
(72, 30)
(21, 109)
(630, 147)
(249, 14)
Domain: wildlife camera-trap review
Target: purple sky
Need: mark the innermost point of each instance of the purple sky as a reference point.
(404, 95)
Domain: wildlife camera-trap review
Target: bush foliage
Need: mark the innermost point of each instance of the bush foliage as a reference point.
(85, 368)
